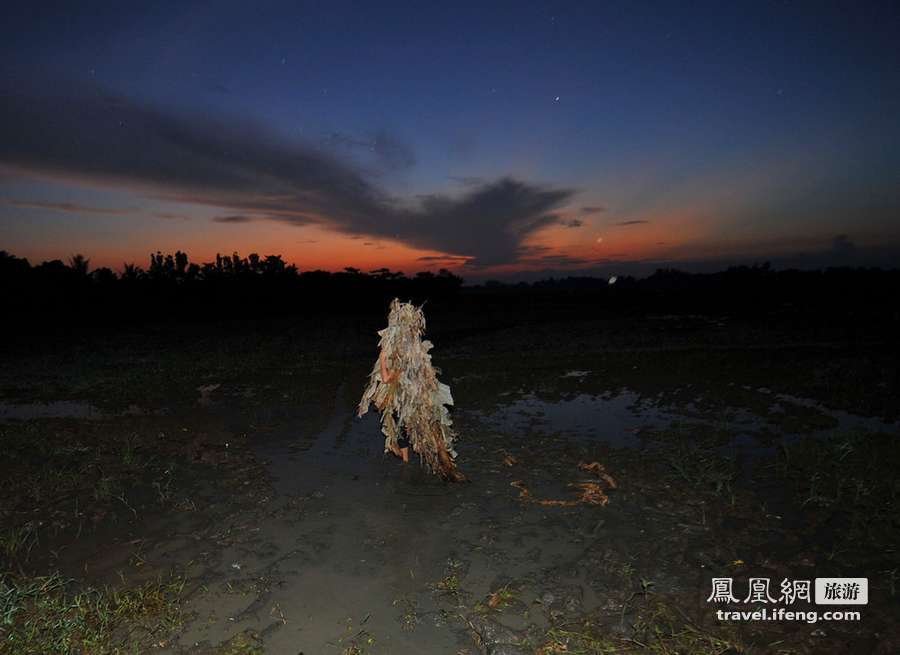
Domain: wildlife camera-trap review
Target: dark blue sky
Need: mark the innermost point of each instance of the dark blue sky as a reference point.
(489, 138)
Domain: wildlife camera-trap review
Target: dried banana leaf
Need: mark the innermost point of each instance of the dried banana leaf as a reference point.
(415, 401)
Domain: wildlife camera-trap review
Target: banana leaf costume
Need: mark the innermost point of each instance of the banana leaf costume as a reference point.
(415, 401)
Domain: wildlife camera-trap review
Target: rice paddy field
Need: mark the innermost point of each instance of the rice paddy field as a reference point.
(209, 489)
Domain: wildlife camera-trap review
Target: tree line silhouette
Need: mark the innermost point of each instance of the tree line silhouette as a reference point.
(57, 295)
(173, 288)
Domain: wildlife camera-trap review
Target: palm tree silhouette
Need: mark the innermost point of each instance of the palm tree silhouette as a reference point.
(79, 264)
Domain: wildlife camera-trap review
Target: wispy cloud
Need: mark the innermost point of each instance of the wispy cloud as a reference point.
(68, 207)
(842, 245)
(593, 210)
(169, 216)
(564, 260)
(542, 255)
(641, 222)
(390, 152)
(533, 250)
(442, 258)
(251, 172)
(234, 218)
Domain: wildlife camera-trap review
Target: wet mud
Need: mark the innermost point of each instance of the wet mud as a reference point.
(294, 533)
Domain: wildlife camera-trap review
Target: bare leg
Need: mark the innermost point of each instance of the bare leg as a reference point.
(403, 447)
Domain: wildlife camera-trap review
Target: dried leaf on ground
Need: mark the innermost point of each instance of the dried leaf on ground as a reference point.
(591, 492)
(600, 471)
(523, 490)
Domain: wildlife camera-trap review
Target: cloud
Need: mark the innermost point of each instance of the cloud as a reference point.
(441, 258)
(533, 250)
(234, 218)
(841, 245)
(169, 216)
(341, 140)
(537, 254)
(632, 222)
(489, 223)
(541, 222)
(564, 260)
(390, 152)
(573, 222)
(593, 210)
(65, 207)
(393, 153)
(248, 171)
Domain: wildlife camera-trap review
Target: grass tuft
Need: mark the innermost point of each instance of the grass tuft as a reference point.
(44, 615)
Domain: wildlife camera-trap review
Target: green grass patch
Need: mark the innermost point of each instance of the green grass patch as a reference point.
(659, 629)
(48, 614)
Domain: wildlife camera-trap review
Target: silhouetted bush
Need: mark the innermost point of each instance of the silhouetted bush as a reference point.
(55, 296)
(59, 297)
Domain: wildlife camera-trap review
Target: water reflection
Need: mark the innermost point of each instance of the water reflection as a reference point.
(76, 409)
(613, 417)
(619, 417)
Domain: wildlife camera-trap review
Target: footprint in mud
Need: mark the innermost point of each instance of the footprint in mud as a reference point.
(561, 602)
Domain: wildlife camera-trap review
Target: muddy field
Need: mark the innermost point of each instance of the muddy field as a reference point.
(211, 490)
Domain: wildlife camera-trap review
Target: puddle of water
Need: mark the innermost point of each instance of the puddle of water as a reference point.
(617, 418)
(846, 421)
(66, 409)
(614, 418)
(351, 448)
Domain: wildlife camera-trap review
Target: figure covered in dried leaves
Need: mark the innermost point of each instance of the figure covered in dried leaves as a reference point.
(404, 387)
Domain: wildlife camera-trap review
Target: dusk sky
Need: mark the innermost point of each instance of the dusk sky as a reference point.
(496, 140)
